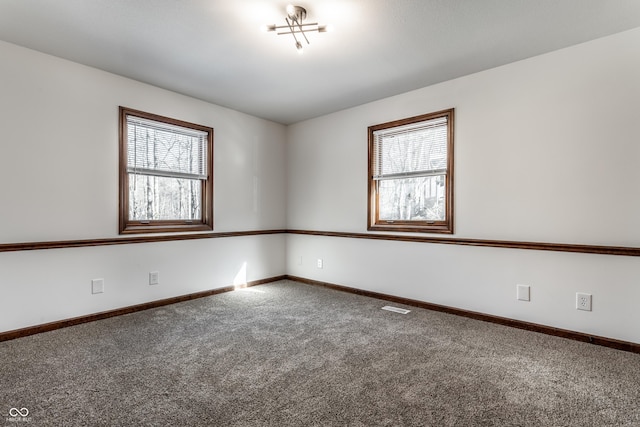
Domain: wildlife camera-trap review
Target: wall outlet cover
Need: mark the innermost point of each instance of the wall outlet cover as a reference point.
(583, 301)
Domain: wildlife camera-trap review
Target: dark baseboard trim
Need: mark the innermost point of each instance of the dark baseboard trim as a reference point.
(534, 327)
(538, 246)
(62, 244)
(32, 330)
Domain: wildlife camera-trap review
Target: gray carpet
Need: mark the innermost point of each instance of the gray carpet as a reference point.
(289, 354)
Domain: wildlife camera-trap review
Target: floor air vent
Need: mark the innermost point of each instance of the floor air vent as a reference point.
(396, 309)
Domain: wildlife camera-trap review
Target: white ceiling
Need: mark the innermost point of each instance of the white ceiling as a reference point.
(214, 49)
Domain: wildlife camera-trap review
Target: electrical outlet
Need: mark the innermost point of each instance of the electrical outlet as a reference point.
(523, 292)
(154, 278)
(320, 263)
(97, 286)
(583, 301)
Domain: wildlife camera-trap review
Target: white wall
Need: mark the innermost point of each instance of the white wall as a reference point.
(546, 150)
(59, 169)
(55, 284)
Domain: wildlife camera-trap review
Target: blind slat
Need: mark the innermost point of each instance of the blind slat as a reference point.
(154, 172)
(437, 172)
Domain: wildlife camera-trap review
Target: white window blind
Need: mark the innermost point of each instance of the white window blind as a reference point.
(417, 149)
(161, 149)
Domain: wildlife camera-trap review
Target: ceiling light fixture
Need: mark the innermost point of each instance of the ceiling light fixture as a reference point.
(294, 18)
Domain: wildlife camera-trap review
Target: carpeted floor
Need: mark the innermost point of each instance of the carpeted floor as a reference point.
(289, 354)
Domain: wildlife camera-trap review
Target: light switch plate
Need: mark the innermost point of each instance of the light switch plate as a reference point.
(523, 292)
(154, 278)
(97, 286)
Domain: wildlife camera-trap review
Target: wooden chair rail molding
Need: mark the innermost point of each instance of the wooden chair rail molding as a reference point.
(538, 246)
(32, 246)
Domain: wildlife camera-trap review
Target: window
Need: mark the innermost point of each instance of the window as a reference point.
(166, 174)
(411, 174)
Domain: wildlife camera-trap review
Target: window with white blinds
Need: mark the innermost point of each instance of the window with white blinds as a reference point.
(162, 149)
(418, 149)
(166, 174)
(410, 180)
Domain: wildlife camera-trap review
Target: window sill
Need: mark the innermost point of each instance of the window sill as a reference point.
(412, 228)
(164, 228)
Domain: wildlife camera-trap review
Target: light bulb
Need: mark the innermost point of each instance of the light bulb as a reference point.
(291, 11)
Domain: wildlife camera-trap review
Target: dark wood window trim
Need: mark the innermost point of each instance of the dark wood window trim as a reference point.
(374, 223)
(128, 226)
